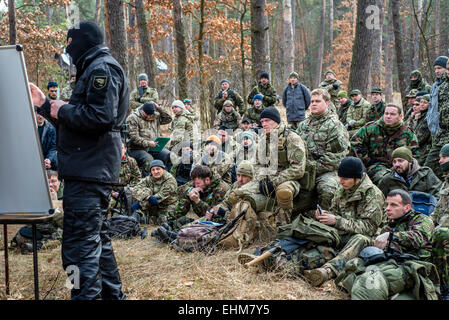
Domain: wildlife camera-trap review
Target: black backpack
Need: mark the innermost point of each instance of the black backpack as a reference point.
(123, 227)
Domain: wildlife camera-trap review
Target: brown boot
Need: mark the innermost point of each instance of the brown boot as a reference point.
(317, 277)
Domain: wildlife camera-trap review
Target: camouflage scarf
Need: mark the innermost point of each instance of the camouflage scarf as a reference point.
(445, 169)
(391, 129)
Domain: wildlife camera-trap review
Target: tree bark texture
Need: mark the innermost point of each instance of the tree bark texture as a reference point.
(319, 67)
(376, 64)
(259, 38)
(288, 49)
(12, 22)
(145, 42)
(180, 49)
(399, 47)
(117, 31)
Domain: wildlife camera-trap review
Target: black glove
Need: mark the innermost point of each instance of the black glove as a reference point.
(221, 212)
(335, 86)
(266, 187)
(154, 200)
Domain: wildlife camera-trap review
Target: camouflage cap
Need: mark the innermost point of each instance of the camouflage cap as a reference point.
(228, 102)
(343, 94)
(294, 74)
(245, 168)
(412, 94)
(329, 71)
(415, 73)
(426, 97)
(376, 90)
(355, 92)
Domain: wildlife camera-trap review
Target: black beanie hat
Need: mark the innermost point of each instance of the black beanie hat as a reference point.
(441, 61)
(265, 75)
(271, 113)
(351, 167)
(85, 35)
(149, 108)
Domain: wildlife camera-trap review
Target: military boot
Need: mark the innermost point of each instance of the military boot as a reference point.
(284, 196)
(317, 277)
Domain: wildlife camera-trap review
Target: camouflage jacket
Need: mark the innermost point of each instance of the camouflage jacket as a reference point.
(343, 111)
(135, 101)
(129, 173)
(326, 139)
(142, 131)
(284, 159)
(66, 92)
(221, 164)
(269, 94)
(418, 179)
(372, 144)
(359, 211)
(440, 215)
(226, 204)
(231, 119)
(412, 233)
(329, 86)
(182, 128)
(209, 198)
(358, 112)
(443, 103)
(239, 104)
(254, 115)
(375, 112)
(422, 132)
(165, 188)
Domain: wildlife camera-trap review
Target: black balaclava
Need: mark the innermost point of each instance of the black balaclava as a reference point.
(84, 36)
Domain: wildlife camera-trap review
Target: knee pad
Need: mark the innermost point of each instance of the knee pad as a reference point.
(284, 197)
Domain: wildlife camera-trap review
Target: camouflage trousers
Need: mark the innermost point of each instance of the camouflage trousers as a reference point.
(156, 214)
(376, 172)
(440, 253)
(433, 157)
(353, 244)
(326, 185)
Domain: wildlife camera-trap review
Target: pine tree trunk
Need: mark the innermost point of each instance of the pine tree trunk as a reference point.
(288, 50)
(145, 42)
(399, 47)
(306, 60)
(117, 32)
(206, 119)
(180, 49)
(331, 31)
(319, 67)
(259, 38)
(444, 38)
(376, 64)
(97, 11)
(131, 45)
(437, 40)
(362, 48)
(389, 52)
(12, 22)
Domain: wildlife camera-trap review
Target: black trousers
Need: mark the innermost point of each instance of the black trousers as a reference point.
(144, 158)
(86, 246)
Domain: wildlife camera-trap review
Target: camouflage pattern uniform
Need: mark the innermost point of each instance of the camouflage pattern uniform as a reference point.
(209, 198)
(329, 86)
(221, 164)
(268, 92)
(66, 92)
(418, 179)
(440, 236)
(135, 100)
(375, 112)
(237, 100)
(327, 142)
(412, 233)
(182, 128)
(254, 115)
(343, 111)
(420, 84)
(359, 214)
(231, 119)
(164, 188)
(375, 143)
(422, 132)
(442, 135)
(357, 112)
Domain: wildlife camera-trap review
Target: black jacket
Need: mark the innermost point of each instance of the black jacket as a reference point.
(88, 139)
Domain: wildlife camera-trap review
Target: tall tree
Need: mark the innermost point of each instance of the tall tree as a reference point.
(376, 64)
(131, 44)
(389, 52)
(97, 11)
(145, 42)
(288, 45)
(331, 30)
(319, 67)
(180, 49)
(259, 38)
(206, 117)
(118, 42)
(395, 5)
(12, 22)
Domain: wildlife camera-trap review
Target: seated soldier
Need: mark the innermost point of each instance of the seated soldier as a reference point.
(404, 256)
(142, 94)
(181, 126)
(218, 161)
(408, 175)
(414, 112)
(228, 116)
(228, 144)
(183, 165)
(327, 143)
(375, 142)
(144, 127)
(253, 113)
(357, 112)
(247, 149)
(156, 193)
(345, 103)
(356, 212)
(440, 236)
(48, 234)
(128, 178)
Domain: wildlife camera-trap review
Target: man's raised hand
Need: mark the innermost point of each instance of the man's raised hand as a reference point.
(37, 95)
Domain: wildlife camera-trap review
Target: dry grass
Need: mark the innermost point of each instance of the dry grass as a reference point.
(150, 270)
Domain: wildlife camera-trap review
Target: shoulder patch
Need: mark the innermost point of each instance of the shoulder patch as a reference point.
(99, 82)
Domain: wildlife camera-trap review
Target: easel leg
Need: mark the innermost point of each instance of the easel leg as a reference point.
(36, 272)
(5, 244)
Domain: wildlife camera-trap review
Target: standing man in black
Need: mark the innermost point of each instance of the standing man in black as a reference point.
(89, 153)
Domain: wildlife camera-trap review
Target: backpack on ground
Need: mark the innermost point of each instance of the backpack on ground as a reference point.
(123, 227)
(196, 235)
